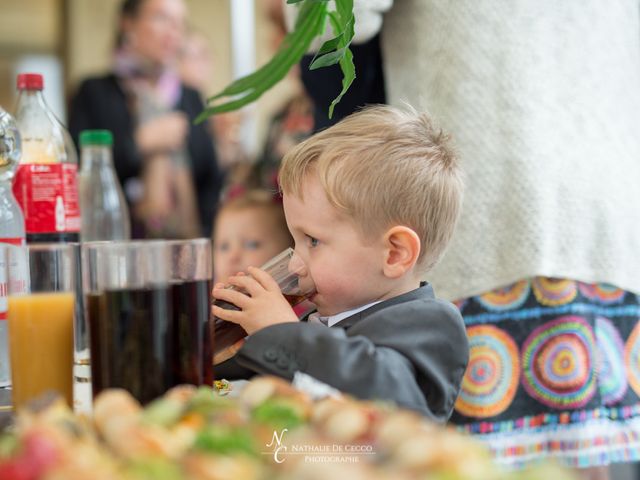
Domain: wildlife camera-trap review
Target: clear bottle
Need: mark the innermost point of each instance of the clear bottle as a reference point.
(11, 229)
(105, 215)
(46, 183)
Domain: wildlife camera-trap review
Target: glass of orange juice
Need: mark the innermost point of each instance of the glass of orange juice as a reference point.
(40, 320)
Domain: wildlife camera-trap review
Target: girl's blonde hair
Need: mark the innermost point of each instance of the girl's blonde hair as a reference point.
(268, 201)
(381, 167)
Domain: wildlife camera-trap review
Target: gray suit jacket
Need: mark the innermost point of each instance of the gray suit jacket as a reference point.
(411, 349)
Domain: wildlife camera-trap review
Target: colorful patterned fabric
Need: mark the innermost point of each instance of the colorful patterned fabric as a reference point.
(554, 371)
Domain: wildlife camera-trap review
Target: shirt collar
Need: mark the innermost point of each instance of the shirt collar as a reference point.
(331, 320)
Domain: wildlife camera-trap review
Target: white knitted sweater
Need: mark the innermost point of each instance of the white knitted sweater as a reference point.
(542, 98)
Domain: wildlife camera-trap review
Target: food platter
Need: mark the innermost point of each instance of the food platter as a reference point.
(267, 430)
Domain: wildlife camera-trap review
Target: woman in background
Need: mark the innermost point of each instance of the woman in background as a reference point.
(166, 164)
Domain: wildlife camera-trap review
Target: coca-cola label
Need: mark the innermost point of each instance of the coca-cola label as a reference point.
(48, 195)
(14, 272)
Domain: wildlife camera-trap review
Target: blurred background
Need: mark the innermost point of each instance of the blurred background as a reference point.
(69, 40)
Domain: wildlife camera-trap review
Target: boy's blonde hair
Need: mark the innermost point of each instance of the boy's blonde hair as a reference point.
(383, 166)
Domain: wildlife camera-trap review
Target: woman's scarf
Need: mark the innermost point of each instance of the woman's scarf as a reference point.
(138, 74)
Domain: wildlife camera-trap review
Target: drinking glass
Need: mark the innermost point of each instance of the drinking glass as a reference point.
(190, 272)
(41, 308)
(130, 316)
(285, 272)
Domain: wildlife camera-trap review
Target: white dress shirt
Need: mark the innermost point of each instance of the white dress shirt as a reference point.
(331, 320)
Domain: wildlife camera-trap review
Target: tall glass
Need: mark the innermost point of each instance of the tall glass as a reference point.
(190, 277)
(41, 322)
(130, 314)
(285, 269)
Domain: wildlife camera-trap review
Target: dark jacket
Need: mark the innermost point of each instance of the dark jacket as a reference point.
(100, 103)
(411, 349)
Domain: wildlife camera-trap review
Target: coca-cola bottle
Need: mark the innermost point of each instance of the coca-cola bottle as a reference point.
(46, 183)
(12, 238)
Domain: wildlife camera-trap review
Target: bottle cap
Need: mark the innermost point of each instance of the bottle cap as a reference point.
(30, 81)
(96, 137)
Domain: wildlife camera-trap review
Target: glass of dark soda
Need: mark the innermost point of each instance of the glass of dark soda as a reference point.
(190, 281)
(285, 269)
(129, 302)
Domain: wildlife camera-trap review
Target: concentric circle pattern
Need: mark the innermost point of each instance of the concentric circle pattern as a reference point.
(612, 377)
(491, 379)
(603, 292)
(553, 291)
(558, 363)
(506, 298)
(632, 359)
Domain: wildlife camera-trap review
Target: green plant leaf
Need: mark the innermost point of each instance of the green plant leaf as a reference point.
(344, 9)
(304, 25)
(309, 25)
(330, 45)
(344, 21)
(348, 76)
(327, 59)
(250, 88)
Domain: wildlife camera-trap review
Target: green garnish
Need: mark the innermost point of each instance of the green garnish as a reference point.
(155, 469)
(278, 413)
(163, 412)
(225, 441)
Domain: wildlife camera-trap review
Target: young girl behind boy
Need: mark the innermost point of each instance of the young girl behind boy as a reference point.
(249, 230)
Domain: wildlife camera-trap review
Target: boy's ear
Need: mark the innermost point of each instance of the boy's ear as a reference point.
(402, 249)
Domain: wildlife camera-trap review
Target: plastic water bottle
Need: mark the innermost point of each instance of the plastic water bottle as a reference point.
(12, 232)
(105, 215)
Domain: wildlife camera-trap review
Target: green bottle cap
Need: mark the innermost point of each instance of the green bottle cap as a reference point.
(96, 137)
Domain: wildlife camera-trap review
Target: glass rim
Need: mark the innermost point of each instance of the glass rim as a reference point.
(287, 252)
(112, 244)
(188, 241)
(71, 291)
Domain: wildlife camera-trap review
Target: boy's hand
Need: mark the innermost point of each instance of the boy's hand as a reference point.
(262, 305)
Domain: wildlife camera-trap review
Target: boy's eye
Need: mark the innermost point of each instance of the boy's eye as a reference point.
(313, 242)
(252, 244)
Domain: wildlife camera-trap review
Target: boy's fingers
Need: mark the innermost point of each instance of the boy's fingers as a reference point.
(239, 299)
(266, 280)
(233, 316)
(247, 284)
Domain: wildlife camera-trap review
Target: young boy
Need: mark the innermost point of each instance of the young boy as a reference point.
(371, 203)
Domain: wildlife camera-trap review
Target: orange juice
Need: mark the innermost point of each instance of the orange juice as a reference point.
(41, 344)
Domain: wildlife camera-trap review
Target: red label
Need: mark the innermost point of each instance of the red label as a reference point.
(48, 195)
(17, 241)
